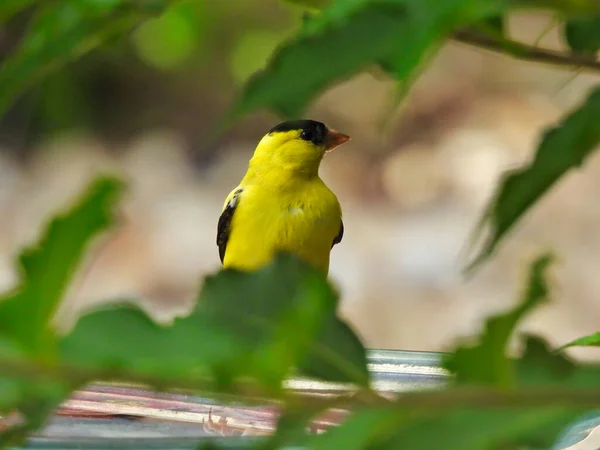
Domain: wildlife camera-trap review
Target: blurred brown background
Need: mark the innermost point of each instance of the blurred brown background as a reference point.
(412, 193)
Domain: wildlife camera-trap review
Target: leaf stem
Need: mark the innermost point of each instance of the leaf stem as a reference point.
(525, 52)
(525, 397)
(246, 391)
(80, 376)
(444, 399)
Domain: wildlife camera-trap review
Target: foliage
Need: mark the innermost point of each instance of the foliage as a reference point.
(464, 415)
(562, 148)
(60, 32)
(62, 247)
(251, 330)
(400, 33)
(166, 41)
(286, 319)
(487, 362)
(583, 35)
(26, 336)
(245, 325)
(592, 340)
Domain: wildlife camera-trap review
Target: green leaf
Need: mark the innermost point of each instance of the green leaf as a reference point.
(540, 365)
(455, 429)
(361, 430)
(592, 340)
(25, 389)
(132, 342)
(26, 340)
(10, 389)
(292, 426)
(484, 428)
(565, 7)
(337, 355)
(309, 4)
(493, 25)
(486, 361)
(62, 32)
(48, 267)
(167, 42)
(281, 310)
(35, 400)
(251, 52)
(259, 324)
(583, 35)
(562, 148)
(456, 425)
(400, 33)
(9, 8)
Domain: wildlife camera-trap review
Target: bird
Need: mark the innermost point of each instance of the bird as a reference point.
(282, 204)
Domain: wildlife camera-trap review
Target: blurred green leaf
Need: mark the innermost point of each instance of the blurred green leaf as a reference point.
(336, 355)
(592, 340)
(10, 389)
(166, 42)
(252, 52)
(132, 342)
(9, 8)
(494, 25)
(456, 425)
(63, 103)
(48, 267)
(362, 430)
(258, 324)
(292, 426)
(34, 396)
(35, 399)
(310, 4)
(486, 361)
(583, 35)
(540, 365)
(485, 429)
(566, 7)
(332, 46)
(459, 428)
(26, 340)
(64, 31)
(277, 313)
(562, 148)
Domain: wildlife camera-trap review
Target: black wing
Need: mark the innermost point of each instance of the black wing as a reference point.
(340, 235)
(224, 226)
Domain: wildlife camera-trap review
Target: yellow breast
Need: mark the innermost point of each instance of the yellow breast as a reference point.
(302, 218)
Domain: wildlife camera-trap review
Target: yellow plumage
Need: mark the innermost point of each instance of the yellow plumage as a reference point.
(282, 204)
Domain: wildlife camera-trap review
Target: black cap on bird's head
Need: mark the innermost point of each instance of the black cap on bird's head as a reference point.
(313, 131)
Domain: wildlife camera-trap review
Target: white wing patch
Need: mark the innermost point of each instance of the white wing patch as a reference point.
(235, 199)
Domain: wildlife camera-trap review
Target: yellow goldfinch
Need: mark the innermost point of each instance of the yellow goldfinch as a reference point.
(281, 203)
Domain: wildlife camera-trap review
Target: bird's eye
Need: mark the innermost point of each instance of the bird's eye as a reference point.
(306, 135)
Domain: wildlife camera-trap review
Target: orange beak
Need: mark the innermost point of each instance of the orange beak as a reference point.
(335, 139)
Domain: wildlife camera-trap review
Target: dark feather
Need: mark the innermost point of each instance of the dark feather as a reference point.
(224, 226)
(313, 131)
(340, 235)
